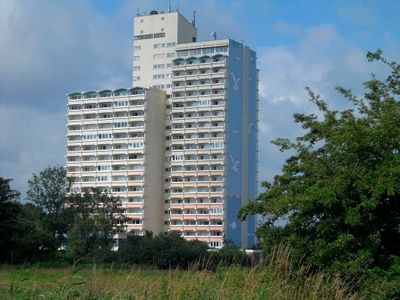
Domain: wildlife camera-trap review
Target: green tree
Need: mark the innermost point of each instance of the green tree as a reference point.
(48, 191)
(340, 190)
(9, 210)
(96, 218)
(32, 240)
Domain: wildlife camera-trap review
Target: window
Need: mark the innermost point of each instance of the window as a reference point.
(158, 76)
(158, 46)
(135, 199)
(135, 145)
(177, 157)
(149, 36)
(102, 178)
(136, 68)
(136, 78)
(136, 48)
(204, 102)
(89, 137)
(136, 58)
(134, 211)
(120, 124)
(172, 54)
(121, 103)
(158, 66)
(134, 222)
(103, 167)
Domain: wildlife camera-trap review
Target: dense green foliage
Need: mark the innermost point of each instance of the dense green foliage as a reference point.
(170, 250)
(47, 191)
(95, 219)
(80, 228)
(340, 191)
(9, 211)
(164, 250)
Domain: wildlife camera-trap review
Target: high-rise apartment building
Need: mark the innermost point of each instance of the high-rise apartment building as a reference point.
(211, 146)
(180, 147)
(115, 143)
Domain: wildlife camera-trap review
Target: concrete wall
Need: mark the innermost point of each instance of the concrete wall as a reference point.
(154, 160)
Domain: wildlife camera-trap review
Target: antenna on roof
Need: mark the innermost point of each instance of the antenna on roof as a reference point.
(138, 13)
(194, 19)
(214, 34)
(169, 6)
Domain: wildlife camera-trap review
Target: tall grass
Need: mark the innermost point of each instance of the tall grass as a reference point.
(276, 278)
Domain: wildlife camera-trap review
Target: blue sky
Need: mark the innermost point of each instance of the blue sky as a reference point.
(50, 48)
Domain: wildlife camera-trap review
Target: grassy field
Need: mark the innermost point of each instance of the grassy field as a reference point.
(274, 280)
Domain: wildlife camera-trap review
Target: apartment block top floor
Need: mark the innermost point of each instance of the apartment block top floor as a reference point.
(122, 92)
(171, 24)
(209, 48)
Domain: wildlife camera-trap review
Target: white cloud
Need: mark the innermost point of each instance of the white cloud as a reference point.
(49, 48)
(322, 61)
(30, 139)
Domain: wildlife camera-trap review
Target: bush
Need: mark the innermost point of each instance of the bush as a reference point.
(166, 250)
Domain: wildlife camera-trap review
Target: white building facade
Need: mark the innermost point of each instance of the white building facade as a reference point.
(181, 149)
(115, 142)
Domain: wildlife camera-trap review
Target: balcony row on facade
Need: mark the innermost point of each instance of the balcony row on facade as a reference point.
(200, 60)
(93, 138)
(109, 147)
(197, 189)
(119, 125)
(129, 115)
(215, 102)
(116, 179)
(198, 85)
(109, 167)
(208, 91)
(116, 106)
(198, 234)
(197, 228)
(185, 158)
(196, 75)
(217, 122)
(120, 191)
(217, 145)
(130, 156)
(136, 91)
(202, 115)
(192, 179)
(217, 133)
(194, 200)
